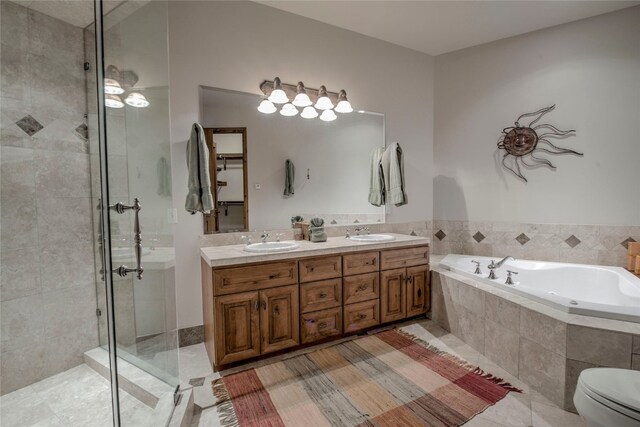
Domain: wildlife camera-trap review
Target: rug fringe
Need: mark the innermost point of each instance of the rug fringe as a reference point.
(224, 404)
(460, 362)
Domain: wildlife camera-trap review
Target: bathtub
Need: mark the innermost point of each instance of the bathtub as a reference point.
(608, 292)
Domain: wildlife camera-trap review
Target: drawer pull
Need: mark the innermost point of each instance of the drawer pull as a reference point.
(311, 269)
(322, 325)
(257, 306)
(273, 276)
(323, 294)
(419, 293)
(361, 288)
(362, 316)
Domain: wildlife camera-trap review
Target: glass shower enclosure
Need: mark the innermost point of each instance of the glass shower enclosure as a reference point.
(128, 121)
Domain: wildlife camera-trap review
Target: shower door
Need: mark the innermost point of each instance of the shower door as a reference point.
(131, 173)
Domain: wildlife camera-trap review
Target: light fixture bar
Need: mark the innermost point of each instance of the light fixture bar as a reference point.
(292, 90)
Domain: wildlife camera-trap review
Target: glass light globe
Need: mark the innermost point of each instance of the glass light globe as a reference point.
(288, 110)
(137, 100)
(323, 102)
(113, 101)
(267, 107)
(328, 116)
(278, 96)
(309, 113)
(344, 106)
(112, 87)
(302, 100)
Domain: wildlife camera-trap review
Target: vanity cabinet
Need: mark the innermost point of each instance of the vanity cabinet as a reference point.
(261, 308)
(404, 291)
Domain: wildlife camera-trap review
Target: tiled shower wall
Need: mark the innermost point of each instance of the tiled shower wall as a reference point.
(47, 289)
(583, 244)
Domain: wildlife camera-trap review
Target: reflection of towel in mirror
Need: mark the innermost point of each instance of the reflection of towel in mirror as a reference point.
(199, 198)
(164, 177)
(289, 176)
(376, 181)
(393, 169)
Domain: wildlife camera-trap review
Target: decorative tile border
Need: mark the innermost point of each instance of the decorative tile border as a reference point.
(584, 244)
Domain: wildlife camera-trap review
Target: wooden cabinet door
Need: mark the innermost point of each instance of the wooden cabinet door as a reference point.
(236, 327)
(417, 290)
(279, 323)
(392, 295)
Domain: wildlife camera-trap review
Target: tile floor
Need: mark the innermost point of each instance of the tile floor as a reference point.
(81, 397)
(517, 409)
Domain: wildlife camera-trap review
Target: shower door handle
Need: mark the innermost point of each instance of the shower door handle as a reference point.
(121, 208)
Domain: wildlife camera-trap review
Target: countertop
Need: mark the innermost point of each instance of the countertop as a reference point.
(219, 256)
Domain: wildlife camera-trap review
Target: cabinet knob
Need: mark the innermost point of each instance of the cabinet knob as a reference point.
(361, 288)
(323, 294)
(362, 316)
(322, 325)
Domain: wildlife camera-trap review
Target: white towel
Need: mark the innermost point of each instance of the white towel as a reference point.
(393, 169)
(199, 198)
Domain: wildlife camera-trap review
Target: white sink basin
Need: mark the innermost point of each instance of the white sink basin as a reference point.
(269, 247)
(371, 238)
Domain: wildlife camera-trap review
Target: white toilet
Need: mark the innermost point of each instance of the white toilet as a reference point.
(608, 397)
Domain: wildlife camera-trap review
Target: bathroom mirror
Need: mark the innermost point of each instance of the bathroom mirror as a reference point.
(331, 163)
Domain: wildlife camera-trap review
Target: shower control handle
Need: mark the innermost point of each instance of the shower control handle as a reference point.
(121, 208)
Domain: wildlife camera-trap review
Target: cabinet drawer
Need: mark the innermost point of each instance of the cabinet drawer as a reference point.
(255, 277)
(361, 315)
(314, 269)
(398, 258)
(363, 287)
(320, 295)
(360, 263)
(320, 324)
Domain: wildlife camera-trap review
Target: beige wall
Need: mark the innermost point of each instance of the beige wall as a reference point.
(236, 45)
(591, 70)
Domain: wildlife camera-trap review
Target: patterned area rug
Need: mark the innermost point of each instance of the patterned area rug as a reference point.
(387, 379)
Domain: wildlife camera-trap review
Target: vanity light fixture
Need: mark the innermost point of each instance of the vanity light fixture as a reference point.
(344, 106)
(112, 87)
(309, 113)
(328, 116)
(278, 95)
(136, 99)
(301, 99)
(323, 102)
(288, 110)
(267, 107)
(113, 101)
(308, 100)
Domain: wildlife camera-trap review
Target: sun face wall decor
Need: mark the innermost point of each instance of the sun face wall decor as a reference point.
(522, 143)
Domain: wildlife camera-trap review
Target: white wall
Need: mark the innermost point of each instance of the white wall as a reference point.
(591, 70)
(236, 45)
(336, 154)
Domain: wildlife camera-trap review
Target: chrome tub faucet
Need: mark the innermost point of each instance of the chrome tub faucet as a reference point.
(494, 265)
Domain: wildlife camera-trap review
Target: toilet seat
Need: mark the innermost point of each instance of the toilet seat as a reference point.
(607, 394)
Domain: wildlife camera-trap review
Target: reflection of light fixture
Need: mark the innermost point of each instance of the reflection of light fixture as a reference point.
(278, 96)
(301, 99)
(136, 99)
(113, 101)
(112, 87)
(309, 113)
(323, 103)
(344, 106)
(328, 116)
(288, 110)
(267, 107)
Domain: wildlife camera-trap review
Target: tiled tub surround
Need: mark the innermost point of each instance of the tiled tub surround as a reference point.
(543, 347)
(582, 244)
(47, 309)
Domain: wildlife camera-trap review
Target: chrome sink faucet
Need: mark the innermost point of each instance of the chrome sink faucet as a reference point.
(359, 229)
(264, 236)
(348, 236)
